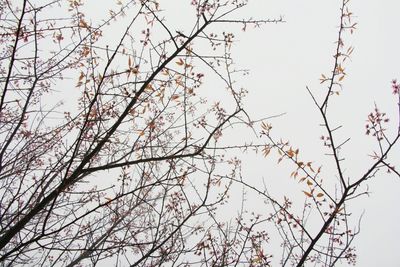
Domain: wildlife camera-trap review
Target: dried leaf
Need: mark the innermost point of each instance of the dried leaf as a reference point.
(149, 87)
(300, 164)
(83, 24)
(134, 71)
(309, 166)
(266, 150)
(290, 153)
(81, 76)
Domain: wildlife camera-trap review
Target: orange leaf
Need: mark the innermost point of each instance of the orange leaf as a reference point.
(320, 194)
(302, 179)
(134, 71)
(180, 62)
(81, 76)
(149, 87)
(165, 72)
(290, 153)
(300, 164)
(266, 151)
(309, 166)
(307, 194)
(83, 24)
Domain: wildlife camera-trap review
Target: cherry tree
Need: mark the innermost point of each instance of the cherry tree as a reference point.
(126, 169)
(112, 142)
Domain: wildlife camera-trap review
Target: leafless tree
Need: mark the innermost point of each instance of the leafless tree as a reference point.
(111, 143)
(126, 174)
(322, 233)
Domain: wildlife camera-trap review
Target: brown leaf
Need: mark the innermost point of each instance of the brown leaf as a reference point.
(81, 76)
